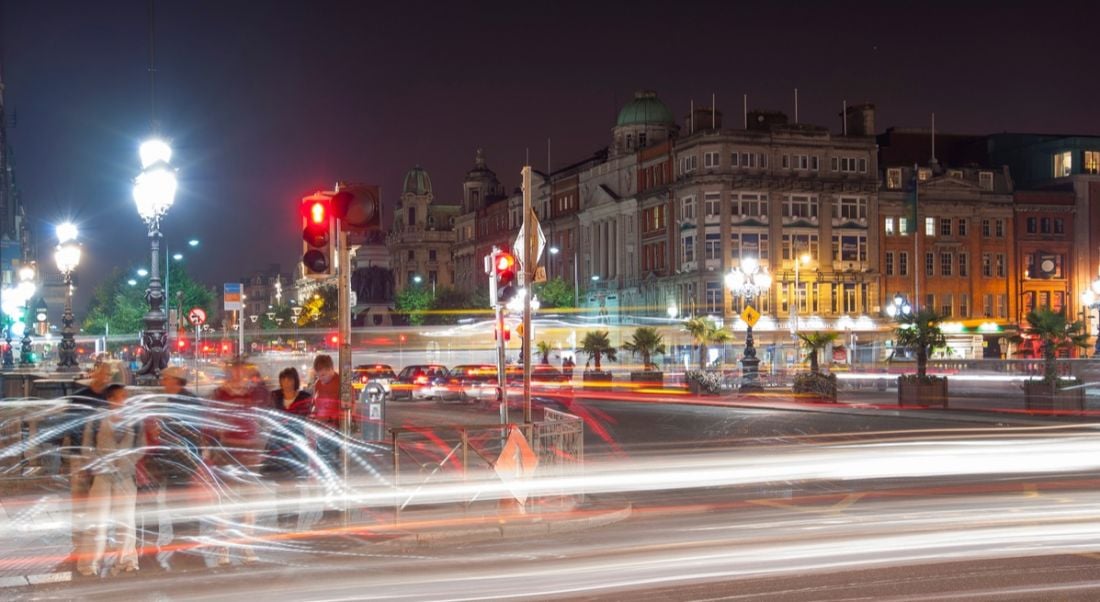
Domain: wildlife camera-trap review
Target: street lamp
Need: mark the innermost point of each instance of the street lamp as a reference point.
(1091, 299)
(67, 256)
(899, 307)
(749, 279)
(154, 192)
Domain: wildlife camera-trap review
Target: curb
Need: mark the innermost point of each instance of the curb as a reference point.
(535, 527)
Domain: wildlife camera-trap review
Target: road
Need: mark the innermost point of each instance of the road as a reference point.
(915, 518)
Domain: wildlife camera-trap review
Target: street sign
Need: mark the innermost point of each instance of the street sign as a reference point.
(516, 461)
(196, 316)
(750, 316)
(540, 275)
(232, 295)
(540, 244)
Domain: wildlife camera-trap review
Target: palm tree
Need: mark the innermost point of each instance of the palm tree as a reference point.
(596, 344)
(814, 342)
(705, 332)
(646, 342)
(544, 351)
(921, 332)
(1055, 332)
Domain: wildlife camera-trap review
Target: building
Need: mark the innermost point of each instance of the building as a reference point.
(422, 236)
(16, 245)
(1045, 250)
(266, 288)
(948, 237)
(481, 189)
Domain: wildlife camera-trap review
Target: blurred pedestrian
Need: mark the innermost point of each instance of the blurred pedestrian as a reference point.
(111, 451)
(84, 406)
(567, 366)
(173, 460)
(240, 443)
(326, 392)
(287, 445)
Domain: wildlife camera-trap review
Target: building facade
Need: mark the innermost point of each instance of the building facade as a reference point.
(422, 236)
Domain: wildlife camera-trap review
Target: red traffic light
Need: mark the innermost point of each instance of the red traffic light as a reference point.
(315, 209)
(505, 262)
(334, 339)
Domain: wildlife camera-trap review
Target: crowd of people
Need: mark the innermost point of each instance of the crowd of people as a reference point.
(174, 451)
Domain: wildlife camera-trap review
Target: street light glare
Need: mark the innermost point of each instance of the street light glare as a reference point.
(131, 282)
(143, 272)
(193, 242)
(154, 151)
(66, 232)
(554, 250)
(178, 256)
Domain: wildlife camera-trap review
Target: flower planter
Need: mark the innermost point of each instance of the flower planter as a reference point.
(1039, 395)
(652, 377)
(704, 383)
(812, 386)
(930, 392)
(600, 381)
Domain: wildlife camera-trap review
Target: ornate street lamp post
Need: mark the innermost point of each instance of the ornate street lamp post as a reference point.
(154, 193)
(67, 256)
(26, 290)
(748, 280)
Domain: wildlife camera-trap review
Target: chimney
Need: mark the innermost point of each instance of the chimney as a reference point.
(860, 120)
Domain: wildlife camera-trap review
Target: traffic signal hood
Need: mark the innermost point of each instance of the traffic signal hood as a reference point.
(318, 248)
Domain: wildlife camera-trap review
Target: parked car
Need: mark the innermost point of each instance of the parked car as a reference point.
(382, 374)
(472, 383)
(549, 386)
(421, 381)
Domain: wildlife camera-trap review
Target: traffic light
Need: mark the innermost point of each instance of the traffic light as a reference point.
(358, 207)
(504, 273)
(317, 239)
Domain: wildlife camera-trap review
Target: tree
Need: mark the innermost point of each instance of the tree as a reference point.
(554, 293)
(321, 308)
(646, 342)
(921, 333)
(813, 342)
(705, 333)
(414, 302)
(597, 344)
(544, 348)
(449, 305)
(121, 307)
(1055, 333)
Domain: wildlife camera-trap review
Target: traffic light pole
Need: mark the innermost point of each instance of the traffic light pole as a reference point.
(343, 276)
(501, 377)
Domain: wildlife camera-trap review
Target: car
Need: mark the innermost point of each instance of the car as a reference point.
(420, 381)
(550, 387)
(472, 383)
(382, 374)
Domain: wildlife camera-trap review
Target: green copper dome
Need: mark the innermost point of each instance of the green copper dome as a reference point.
(417, 181)
(645, 108)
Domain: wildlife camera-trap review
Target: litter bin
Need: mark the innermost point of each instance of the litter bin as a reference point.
(373, 407)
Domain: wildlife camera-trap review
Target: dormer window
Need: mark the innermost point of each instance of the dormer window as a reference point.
(1063, 164)
(985, 180)
(924, 174)
(893, 178)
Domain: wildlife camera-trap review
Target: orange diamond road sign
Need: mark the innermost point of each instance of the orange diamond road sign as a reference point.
(517, 462)
(750, 316)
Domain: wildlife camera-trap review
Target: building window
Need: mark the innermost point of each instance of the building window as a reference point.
(903, 263)
(803, 243)
(748, 244)
(786, 164)
(1059, 226)
(1063, 164)
(711, 160)
(714, 297)
(964, 269)
(987, 265)
(947, 261)
(930, 300)
(945, 226)
(749, 205)
(431, 254)
(962, 227)
(1032, 225)
(850, 208)
(985, 180)
(945, 305)
(929, 226)
(924, 174)
(987, 305)
(803, 162)
(412, 255)
(712, 204)
(433, 277)
(687, 208)
(1092, 162)
(889, 226)
(929, 264)
(903, 226)
(889, 263)
(1000, 265)
(863, 165)
(849, 248)
(712, 245)
(985, 228)
(833, 163)
(799, 205)
(893, 178)
(1002, 307)
(1044, 225)
(964, 305)
(999, 228)
(748, 160)
(687, 248)
(733, 159)
(763, 160)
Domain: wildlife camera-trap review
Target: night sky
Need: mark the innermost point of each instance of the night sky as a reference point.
(265, 101)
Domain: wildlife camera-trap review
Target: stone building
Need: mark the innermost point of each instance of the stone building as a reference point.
(422, 236)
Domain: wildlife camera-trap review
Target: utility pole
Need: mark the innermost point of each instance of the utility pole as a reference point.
(343, 276)
(527, 272)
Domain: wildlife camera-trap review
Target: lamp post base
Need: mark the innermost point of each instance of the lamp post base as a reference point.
(750, 367)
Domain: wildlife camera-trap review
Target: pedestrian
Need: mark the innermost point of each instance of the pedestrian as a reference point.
(567, 367)
(111, 451)
(240, 446)
(285, 453)
(326, 392)
(173, 459)
(84, 406)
